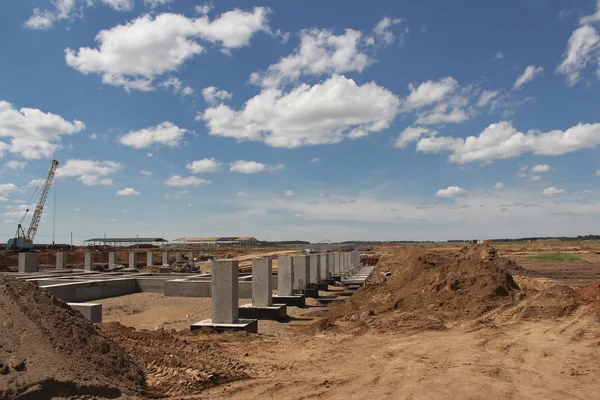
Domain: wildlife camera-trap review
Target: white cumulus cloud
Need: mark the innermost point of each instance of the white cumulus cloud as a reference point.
(321, 52)
(288, 193)
(430, 92)
(33, 134)
(553, 192)
(527, 76)
(501, 141)
(214, 96)
(540, 168)
(180, 181)
(499, 185)
(308, 115)
(204, 165)
(89, 172)
(412, 134)
(452, 192)
(487, 96)
(13, 164)
(253, 167)
(165, 134)
(6, 189)
(128, 192)
(134, 54)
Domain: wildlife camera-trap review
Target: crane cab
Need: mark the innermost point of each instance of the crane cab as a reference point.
(19, 243)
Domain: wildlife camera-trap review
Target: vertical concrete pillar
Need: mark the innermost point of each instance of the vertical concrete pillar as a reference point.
(61, 260)
(28, 262)
(224, 292)
(285, 276)
(262, 282)
(88, 263)
(301, 273)
(178, 256)
(132, 259)
(324, 270)
(191, 256)
(315, 268)
(112, 259)
(337, 259)
(329, 271)
(150, 258)
(165, 258)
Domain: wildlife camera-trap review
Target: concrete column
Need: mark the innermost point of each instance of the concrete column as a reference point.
(329, 270)
(179, 256)
(132, 259)
(28, 262)
(315, 268)
(285, 276)
(150, 259)
(337, 259)
(324, 267)
(191, 256)
(88, 264)
(262, 282)
(224, 292)
(61, 260)
(165, 257)
(301, 273)
(112, 259)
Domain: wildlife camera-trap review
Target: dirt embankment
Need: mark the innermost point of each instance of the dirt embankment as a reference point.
(426, 290)
(47, 349)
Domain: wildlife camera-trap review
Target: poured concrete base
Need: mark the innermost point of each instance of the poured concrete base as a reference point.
(277, 312)
(91, 311)
(248, 325)
(311, 292)
(324, 286)
(326, 300)
(291, 301)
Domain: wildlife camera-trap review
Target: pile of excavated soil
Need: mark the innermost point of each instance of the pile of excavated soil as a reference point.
(426, 290)
(431, 287)
(177, 363)
(49, 350)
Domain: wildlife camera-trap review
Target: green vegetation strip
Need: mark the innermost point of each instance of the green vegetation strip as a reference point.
(556, 257)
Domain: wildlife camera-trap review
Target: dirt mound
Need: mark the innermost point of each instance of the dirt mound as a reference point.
(425, 288)
(553, 302)
(177, 363)
(590, 293)
(47, 349)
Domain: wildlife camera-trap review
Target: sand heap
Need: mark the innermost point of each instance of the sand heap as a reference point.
(434, 287)
(47, 349)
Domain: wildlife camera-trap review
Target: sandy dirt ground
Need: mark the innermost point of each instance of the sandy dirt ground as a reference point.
(496, 356)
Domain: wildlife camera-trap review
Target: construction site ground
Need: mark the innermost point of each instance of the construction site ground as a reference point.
(544, 346)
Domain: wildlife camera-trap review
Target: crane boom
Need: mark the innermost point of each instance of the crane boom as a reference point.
(37, 215)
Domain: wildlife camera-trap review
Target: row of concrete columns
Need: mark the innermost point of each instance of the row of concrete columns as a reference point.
(28, 262)
(295, 275)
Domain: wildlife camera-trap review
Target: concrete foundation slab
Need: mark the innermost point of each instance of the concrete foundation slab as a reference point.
(323, 286)
(312, 292)
(275, 312)
(290, 301)
(28, 262)
(91, 311)
(248, 325)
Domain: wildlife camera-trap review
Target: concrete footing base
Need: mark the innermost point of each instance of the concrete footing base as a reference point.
(277, 312)
(324, 286)
(345, 293)
(248, 325)
(290, 301)
(326, 300)
(331, 281)
(91, 311)
(312, 292)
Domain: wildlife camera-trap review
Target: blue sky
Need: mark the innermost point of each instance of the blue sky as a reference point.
(403, 120)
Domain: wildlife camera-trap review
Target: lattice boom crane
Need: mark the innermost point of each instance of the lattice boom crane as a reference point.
(22, 240)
